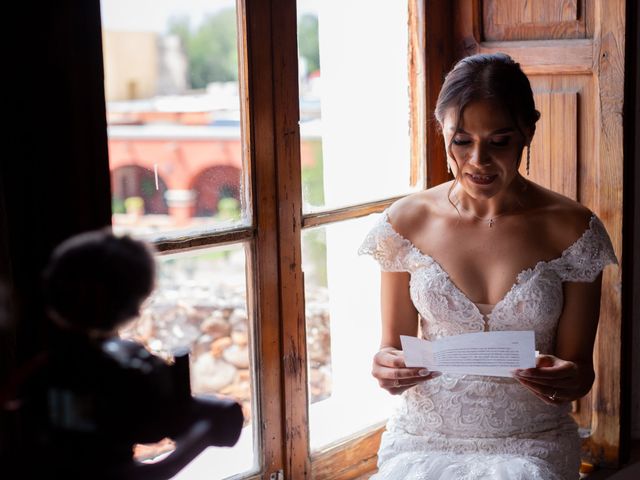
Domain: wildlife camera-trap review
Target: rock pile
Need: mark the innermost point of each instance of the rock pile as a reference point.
(218, 334)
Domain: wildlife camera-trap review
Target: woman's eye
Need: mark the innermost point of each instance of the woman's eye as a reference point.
(459, 141)
(501, 142)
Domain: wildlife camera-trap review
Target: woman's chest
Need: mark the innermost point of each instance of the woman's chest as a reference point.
(534, 301)
(485, 264)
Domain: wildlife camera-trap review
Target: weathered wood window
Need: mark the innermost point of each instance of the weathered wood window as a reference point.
(256, 186)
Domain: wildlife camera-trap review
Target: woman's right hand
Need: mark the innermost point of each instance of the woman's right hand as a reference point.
(392, 373)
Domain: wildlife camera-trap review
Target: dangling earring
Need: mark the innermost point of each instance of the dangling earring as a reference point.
(448, 167)
(528, 159)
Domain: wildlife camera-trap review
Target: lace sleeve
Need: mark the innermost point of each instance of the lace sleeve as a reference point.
(386, 246)
(586, 258)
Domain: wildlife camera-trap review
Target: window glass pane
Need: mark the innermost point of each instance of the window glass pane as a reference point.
(354, 102)
(343, 332)
(200, 302)
(173, 113)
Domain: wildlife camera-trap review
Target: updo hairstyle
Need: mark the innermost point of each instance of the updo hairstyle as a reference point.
(496, 77)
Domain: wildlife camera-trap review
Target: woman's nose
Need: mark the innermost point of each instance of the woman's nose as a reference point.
(479, 154)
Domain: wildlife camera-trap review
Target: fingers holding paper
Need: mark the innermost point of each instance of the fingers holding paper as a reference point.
(393, 375)
(553, 380)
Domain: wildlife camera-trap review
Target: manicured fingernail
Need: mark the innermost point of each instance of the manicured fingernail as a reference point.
(435, 374)
(424, 372)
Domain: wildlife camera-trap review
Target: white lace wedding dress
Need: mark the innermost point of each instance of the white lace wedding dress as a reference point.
(463, 427)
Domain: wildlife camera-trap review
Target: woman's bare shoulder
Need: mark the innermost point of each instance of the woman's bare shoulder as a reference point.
(564, 219)
(410, 214)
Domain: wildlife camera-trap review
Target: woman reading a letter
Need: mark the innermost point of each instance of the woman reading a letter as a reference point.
(487, 251)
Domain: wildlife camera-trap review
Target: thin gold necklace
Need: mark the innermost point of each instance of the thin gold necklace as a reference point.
(490, 221)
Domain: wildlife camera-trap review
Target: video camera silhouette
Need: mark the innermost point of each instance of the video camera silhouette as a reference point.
(88, 403)
(78, 408)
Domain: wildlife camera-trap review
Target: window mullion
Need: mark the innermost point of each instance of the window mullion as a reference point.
(289, 198)
(271, 88)
(264, 282)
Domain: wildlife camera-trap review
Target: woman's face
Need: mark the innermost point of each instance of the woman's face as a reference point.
(487, 146)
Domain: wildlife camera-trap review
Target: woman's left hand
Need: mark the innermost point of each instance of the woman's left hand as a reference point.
(553, 380)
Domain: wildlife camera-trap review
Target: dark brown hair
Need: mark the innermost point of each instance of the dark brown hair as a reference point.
(496, 77)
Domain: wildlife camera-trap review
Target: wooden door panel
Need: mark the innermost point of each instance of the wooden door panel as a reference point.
(554, 150)
(535, 20)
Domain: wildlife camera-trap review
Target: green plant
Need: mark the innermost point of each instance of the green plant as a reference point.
(134, 204)
(211, 48)
(308, 41)
(228, 209)
(315, 250)
(117, 205)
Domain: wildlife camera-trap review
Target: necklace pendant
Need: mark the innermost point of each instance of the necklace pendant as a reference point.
(491, 223)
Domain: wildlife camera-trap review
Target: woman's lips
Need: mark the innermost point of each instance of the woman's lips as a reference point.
(482, 179)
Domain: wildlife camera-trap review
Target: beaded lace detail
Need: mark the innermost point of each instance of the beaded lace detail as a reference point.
(476, 427)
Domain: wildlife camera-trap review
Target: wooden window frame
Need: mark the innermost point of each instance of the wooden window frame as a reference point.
(268, 78)
(268, 31)
(272, 143)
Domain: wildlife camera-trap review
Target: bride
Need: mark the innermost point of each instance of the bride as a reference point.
(487, 251)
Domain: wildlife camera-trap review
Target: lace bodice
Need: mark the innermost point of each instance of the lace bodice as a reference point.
(534, 302)
(465, 416)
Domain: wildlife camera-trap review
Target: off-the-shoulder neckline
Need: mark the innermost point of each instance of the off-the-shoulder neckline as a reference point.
(592, 220)
(519, 278)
